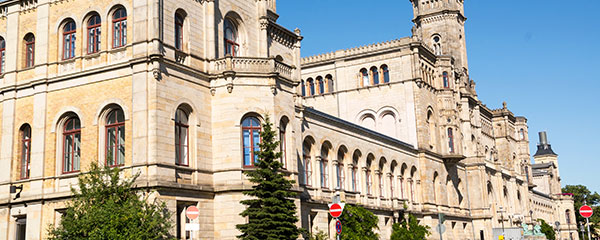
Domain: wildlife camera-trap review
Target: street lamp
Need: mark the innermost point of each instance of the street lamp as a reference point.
(501, 211)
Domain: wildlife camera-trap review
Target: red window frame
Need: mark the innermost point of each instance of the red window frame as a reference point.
(251, 129)
(116, 127)
(119, 37)
(321, 85)
(364, 73)
(450, 140)
(386, 73)
(30, 51)
(73, 133)
(375, 75)
(231, 45)
(2, 54)
(179, 128)
(25, 151)
(94, 34)
(178, 31)
(446, 81)
(68, 41)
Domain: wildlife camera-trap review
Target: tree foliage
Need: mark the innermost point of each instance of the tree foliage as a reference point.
(547, 230)
(271, 211)
(107, 206)
(409, 229)
(358, 224)
(582, 194)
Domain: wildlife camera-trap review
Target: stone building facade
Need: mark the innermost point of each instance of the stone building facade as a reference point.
(176, 89)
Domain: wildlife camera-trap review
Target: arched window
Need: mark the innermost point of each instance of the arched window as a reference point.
(303, 88)
(178, 31)
(374, 75)
(25, 133)
(251, 135)
(29, 50)
(521, 134)
(450, 141)
(231, 38)
(329, 80)
(93, 45)
(69, 40)
(386, 73)
(446, 81)
(435, 188)
(282, 142)
(311, 87)
(71, 145)
(2, 54)
(181, 138)
(364, 76)
(321, 85)
(119, 28)
(437, 45)
(568, 216)
(115, 138)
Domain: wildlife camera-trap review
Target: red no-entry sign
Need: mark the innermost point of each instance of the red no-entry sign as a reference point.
(586, 211)
(336, 210)
(192, 212)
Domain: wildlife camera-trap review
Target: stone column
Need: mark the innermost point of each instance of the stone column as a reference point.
(6, 157)
(41, 38)
(13, 39)
(211, 44)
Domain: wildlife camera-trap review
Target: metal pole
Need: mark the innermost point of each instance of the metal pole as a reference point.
(588, 228)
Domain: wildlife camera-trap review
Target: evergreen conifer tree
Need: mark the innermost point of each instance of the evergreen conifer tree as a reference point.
(271, 211)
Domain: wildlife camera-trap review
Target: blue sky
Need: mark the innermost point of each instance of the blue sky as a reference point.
(540, 56)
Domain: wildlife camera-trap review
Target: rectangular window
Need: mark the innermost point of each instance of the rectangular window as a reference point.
(21, 228)
(30, 48)
(25, 157)
(369, 183)
(450, 141)
(181, 221)
(282, 146)
(354, 170)
(307, 171)
(94, 39)
(324, 174)
(72, 143)
(120, 33)
(381, 188)
(338, 177)
(2, 60)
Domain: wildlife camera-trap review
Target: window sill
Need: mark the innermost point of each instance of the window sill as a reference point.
(327, 190)
(92, 55)
(118, 49)
(68, 175)
(67, 61)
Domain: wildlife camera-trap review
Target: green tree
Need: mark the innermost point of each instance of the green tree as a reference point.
(107, 206)
(409, 229)
(582, 194)
(271, 211)
(358, 224)
(547, 230)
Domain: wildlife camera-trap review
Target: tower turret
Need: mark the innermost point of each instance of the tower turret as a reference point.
(441, 25)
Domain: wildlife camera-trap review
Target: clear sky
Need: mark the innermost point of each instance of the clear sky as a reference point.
(540, 56)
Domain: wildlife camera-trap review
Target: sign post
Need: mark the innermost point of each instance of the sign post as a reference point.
(192, 213)
(335, 210)
(586, 212)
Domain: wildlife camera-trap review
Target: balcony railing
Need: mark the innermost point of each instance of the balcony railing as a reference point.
(251, 65)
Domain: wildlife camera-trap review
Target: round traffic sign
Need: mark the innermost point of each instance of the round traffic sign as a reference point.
(338, 227)
(335, 210)
(586, 211)
(192, 212)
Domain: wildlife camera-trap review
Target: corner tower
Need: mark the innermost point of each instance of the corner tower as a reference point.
(441, 25)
